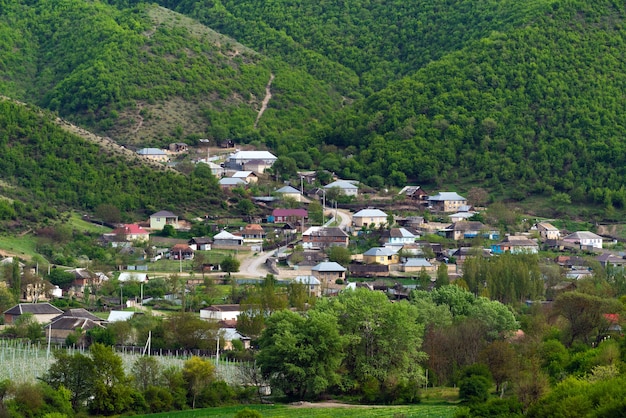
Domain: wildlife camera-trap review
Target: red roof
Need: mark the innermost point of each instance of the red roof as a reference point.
(290, 212)
(612, 317)
(130, 229)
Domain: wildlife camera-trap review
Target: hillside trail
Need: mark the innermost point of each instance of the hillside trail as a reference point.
(266, 100)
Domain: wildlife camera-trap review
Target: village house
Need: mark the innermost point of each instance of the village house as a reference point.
(288, 192)
(608, 259)
(369, 217)
(155, 154)
(398, 237)
(85, 277)
(225, 238)
(516, 244)
(257, 161)
(43, 313)
(313, 285)
(460, 216)
(229, 334)
(227, 312)
(328, 272)
(585, 239)
(230, 183)
(381, 255)
(447, 201)
(345, 187)
(247, 176)
(417, 265)
(253, 233)
(181, 252)
(548, 231)
(464, 253)
(159, 219)
(415, 193)
(318, 237)
(69, 321)
(130, 232)
(200, 243)
(288, 215)
(468, 230)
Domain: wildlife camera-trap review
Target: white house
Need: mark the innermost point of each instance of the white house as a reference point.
(226, 238)
(369, 216)
(221, 312)
(257, 161)
(290, 192)
(155, 154)
(584, 239)
(348, 188)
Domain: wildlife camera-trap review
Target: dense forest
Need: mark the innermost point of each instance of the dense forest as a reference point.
(147, 75)
(522, 99)
(45, 170)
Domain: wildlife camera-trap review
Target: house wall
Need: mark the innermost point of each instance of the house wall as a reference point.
(159, 223)
(412, 269)
(549, 234)
(42, 319)
(376, 220)
(219, 315)
(595, 243)
(385, 260)
(295, 196)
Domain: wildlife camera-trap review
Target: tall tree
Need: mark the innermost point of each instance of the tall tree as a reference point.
(74, 372)
(384, 339)
(585, 315)
(300, 354)
(198, 373)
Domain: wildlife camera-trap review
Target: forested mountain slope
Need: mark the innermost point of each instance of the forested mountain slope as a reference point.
(44, 170)
(536, 109)
(148, 75)
(377, 40)
(521, 98)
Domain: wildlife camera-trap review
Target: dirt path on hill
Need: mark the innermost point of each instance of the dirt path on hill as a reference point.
(266, 100)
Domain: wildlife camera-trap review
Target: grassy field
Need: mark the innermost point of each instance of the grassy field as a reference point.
(319, 411)
(23, 247)
(77, 222)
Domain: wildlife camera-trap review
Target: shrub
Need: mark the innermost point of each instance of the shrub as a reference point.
(248, 413)
(474, 388)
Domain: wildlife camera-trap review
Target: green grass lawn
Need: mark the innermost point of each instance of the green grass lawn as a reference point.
(23, 247)
(76, 222)
(287, 411)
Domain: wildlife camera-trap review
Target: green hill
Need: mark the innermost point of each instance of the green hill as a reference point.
(535, 110)
(145, 75)
(524, 99)
(45, 170)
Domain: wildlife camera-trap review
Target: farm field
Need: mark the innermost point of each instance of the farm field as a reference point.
(322, 410)
(25, 362)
